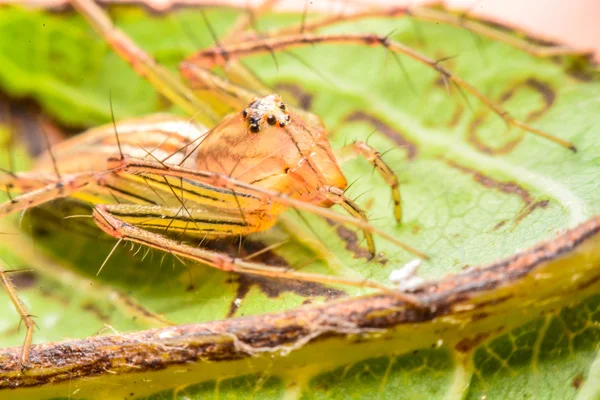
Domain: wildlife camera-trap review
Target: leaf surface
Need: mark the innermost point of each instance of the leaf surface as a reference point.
(473, 192)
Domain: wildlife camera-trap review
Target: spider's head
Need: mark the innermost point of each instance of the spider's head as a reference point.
(295, 145)
(273, 146)
(268, 110)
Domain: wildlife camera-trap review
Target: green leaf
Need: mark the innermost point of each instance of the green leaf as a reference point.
(473, 192)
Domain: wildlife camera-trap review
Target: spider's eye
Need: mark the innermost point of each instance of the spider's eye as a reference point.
(254, 128)
(282, 124)
(244, 114)
(271, 120)
(282, 106)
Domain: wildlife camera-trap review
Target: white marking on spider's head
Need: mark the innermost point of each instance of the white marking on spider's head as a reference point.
(268, 110)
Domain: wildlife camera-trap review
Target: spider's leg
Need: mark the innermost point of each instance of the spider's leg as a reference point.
(209, 96)
(247, 20)
(430, 14)
(214, 57)
(160, 77)
(373, 156)
(64, 187)
(105, 217)
(237, 72)
(24, 314)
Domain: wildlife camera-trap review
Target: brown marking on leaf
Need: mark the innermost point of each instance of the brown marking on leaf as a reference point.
(510, 188)
(351, 239)
(391, 133)
(494, 301)
(491, 183)
(368, 204)
(51, 293)
(548, 96)
(273, 288)
(24, 117)
(498, 226)
(473, 138)
(138, 310)
(24, 279)
(577, 381)
(96, 311)
(11, 331)
(467, 344)
(416, 229)
(583, 67)
(303, 98)
(525, 211)
(588, 283)
(40, 232)
(49, 218)
(456, 116)
(352, 243)
(480, 316)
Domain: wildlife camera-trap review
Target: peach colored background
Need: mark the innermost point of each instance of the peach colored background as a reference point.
(573, 22)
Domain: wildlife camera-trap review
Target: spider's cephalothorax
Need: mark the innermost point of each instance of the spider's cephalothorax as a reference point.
(270, 145)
